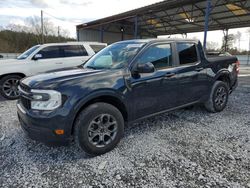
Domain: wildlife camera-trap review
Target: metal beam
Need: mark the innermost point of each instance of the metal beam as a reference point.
(211, 15)
(201, 21)
(201, 27)
(198, 9)
(168, 20)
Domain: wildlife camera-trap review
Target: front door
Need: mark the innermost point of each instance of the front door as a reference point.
(154, 92)
(51, 59)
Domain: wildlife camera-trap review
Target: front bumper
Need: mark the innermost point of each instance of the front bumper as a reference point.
(42, 127)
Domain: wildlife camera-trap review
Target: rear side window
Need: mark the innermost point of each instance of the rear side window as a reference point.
(51, 52)
(74, 50)
(159, 55)
(187, 53)
(97, 48)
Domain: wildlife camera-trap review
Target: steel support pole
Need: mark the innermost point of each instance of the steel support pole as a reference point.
(122, 33)
(77, 34)
(136, 28)
(208, 9)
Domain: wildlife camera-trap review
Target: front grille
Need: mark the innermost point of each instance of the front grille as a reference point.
(24, 88)
(24, 92)
(25, 102)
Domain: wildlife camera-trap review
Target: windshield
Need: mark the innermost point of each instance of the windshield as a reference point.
(115, 56)
(28, 52)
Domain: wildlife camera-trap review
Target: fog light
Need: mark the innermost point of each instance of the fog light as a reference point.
(59, 131)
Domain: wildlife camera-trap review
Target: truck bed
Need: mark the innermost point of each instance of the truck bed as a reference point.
(222, 59)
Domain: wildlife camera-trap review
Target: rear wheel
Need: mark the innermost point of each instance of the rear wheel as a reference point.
(98, 128)
(218, 97)
(9, 87)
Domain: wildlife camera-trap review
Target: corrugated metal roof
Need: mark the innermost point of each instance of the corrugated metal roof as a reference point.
(177, 16)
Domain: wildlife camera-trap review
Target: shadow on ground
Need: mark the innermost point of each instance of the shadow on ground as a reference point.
(2, 99)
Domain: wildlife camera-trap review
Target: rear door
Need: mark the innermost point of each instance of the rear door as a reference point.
(191, 73)
(74, 55)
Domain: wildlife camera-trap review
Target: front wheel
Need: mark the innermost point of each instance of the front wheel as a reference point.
(9, 87)
(98, 128)
(218, 97)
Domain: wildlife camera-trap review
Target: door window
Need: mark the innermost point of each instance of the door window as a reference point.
(51, 52)
(159, 55)
(187, 53)
(74, 50)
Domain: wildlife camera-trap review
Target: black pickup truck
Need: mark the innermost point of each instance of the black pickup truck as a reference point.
(125, 82)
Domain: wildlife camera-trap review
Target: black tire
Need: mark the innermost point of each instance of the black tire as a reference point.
(92, 128)
(11, 81)
(218, 97)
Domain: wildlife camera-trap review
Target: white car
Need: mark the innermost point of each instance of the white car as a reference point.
(43, 58)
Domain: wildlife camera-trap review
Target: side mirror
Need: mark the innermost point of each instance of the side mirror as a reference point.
(145, 68)
(37, 56)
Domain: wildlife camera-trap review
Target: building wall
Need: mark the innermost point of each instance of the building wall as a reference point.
(95, 35)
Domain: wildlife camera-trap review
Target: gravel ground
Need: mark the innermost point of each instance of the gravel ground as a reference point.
(184, 148)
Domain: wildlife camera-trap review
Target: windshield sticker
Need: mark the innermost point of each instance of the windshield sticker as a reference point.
(134, 45)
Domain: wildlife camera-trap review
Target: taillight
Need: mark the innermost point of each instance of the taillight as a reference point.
(237, 67)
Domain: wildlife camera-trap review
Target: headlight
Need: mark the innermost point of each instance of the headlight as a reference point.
(46, 99)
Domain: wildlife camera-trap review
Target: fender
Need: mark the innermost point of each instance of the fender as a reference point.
(226, 73)
(99, 93)
(223, 72)
(104, 92)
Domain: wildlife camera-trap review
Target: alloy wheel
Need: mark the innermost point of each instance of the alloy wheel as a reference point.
(10, 87)
(102, 130)
(220, 97)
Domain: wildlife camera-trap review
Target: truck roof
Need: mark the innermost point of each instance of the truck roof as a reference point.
(153, 40)
(72, 43)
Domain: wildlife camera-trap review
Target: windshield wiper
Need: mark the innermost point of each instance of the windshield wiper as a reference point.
(91, 67)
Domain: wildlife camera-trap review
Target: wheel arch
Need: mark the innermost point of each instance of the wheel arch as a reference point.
(224, 76)
(107, 97)
(15, 73)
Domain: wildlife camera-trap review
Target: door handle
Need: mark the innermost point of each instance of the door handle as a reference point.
(59, 63)
(198, 69)
(169, 74)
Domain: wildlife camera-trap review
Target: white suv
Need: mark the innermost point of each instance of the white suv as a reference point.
(43, 58)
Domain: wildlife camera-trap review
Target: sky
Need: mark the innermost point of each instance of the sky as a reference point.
(69, 13)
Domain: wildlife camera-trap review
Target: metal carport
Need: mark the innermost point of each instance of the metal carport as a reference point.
(168, 17)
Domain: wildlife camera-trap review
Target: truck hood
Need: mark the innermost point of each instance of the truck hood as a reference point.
(48, 80)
